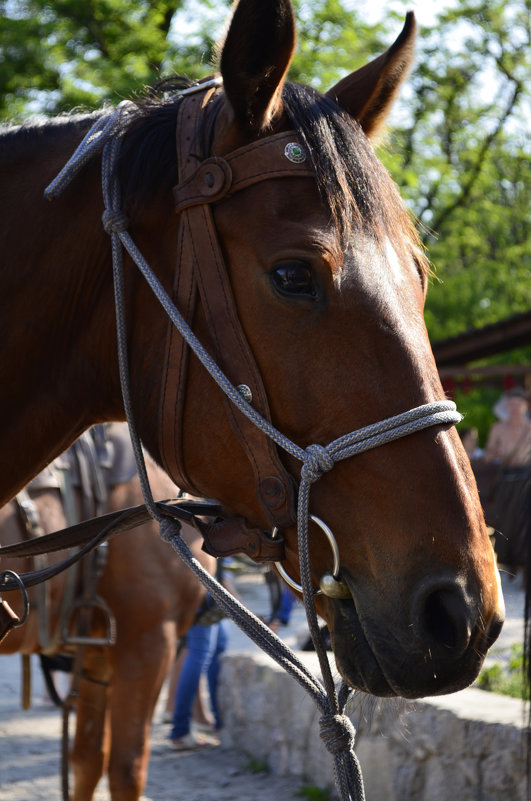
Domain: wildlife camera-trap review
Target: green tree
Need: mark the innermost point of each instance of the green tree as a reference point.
(71, 53)
(458, 148)
(332, 40)
(462, 159)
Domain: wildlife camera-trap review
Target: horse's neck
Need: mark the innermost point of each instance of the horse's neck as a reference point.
(59, 367)
(57, 363)
(41, 419)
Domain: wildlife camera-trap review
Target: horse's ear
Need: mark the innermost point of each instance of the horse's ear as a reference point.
(255, 57)
(368, 93)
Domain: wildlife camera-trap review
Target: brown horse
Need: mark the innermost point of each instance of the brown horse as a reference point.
(153, 597)
(316, 290)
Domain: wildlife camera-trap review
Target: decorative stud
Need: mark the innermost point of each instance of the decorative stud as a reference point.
(245, 392)
(295, 153)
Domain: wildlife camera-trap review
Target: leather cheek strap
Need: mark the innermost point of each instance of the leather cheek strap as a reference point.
(201, 272)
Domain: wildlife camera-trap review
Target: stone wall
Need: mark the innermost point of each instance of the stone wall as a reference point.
(464, 747)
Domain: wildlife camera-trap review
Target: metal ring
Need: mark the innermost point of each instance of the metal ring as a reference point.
(335, 551)
(16, 578)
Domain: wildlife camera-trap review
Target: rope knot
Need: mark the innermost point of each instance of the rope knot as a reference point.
(114, 222)
(169, 528)
(337, 733)
(317, 461)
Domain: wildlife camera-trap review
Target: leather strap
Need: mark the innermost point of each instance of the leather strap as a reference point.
(222, 538)
(217, 177)
(8, 619)
(175, 371)
(201, 265)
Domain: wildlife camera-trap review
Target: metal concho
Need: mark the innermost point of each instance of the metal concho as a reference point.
(330, 583)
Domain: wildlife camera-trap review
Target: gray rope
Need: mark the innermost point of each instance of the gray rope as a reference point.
(336, 729)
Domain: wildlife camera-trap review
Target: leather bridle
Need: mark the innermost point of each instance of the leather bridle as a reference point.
(202, 275)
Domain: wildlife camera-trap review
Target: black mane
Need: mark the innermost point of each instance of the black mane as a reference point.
(352, 182)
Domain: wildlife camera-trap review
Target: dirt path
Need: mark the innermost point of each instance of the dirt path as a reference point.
(30, 741)
(30, 760)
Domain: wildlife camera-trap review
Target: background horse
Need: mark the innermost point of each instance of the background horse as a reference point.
(267, 217)
(153, 597)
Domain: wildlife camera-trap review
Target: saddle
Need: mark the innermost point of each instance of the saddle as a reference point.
(83, 476)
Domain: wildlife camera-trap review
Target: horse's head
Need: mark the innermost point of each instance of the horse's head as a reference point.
(329, 281)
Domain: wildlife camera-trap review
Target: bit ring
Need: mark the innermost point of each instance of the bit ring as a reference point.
(335, 552)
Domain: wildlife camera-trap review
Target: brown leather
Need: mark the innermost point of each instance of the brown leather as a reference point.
(106, 526)
(8, 619)
(201, 264)
(175, 371)
(90, 533)
(216, 177)
(233, 536)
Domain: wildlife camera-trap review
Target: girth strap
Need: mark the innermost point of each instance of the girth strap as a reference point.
(201, 273)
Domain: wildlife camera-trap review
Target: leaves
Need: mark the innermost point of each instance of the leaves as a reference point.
(467, 141)
(459, 147)
(71, 53)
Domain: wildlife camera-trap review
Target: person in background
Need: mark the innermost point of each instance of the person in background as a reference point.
(509, 441)
(469, 438)
(509, 446)
(203, 648)
(205, 642)
(283, 614)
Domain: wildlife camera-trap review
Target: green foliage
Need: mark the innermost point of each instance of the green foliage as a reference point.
(458, 147)
(508, 679)
(71, 53)
(257, 766)
(313, 793)
(332, 40)
(461, 158)
(476, 407)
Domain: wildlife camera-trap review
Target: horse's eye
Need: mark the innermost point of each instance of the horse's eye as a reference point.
(294, 278)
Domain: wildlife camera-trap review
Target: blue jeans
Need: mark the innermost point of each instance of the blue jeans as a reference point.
(204, 644)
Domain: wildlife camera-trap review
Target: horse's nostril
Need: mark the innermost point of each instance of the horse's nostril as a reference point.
(442, 618)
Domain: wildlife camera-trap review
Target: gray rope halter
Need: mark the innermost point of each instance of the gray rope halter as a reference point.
(337, 731)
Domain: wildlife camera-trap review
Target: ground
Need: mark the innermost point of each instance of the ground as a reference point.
(30, 764)
(30, 742)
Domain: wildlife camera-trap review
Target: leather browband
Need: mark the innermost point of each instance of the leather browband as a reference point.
(217, 177)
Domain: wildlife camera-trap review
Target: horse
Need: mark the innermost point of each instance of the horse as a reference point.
(153, 599)
(273, 229)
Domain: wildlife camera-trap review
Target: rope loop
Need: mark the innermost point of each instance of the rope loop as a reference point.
(337, 733)
(317, 461)
(114, 222)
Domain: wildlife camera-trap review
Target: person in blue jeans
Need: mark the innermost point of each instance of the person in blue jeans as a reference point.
(283, 615)
(204, 646)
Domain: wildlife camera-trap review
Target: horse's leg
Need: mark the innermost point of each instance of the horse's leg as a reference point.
(89, 755)
(138, 673)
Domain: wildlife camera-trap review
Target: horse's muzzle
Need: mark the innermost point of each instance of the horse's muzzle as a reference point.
(436, 647)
